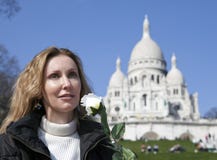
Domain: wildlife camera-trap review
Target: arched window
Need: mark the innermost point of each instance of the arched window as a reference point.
(144, 97)
(175, 91)
(152, 77)
(117, 93)
(135, 79)
(158, 79)
(131, 81)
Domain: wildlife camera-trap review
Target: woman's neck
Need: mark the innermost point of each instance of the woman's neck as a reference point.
(58, 129)
(60, 118)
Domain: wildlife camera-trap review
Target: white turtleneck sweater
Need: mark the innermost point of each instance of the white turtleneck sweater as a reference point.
(62, 140)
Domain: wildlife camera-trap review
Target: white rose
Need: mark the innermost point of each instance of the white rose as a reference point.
(91, 101)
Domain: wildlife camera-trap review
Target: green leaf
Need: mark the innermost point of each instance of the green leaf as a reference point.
(118, 131)
(117, 156)
(128, 154)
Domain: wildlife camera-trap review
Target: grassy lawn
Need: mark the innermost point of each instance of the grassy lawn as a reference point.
(164, 154)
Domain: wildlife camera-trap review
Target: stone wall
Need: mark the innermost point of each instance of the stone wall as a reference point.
(170, 130)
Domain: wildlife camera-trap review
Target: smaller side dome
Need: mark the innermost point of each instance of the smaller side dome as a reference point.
(117, 77)
(174, 76)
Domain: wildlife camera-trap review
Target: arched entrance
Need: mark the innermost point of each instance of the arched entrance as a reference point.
(150, 136)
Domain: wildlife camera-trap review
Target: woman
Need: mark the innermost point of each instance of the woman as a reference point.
(45, 120)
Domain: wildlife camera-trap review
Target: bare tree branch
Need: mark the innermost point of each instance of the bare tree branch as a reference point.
(9, 70)
(9, 8)
(212, 113)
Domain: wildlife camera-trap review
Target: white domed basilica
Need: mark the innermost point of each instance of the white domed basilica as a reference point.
(150, 99)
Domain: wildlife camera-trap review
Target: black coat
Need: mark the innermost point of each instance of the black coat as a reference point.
(21, 142)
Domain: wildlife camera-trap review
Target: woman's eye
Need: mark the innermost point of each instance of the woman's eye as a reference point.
(54, 76)
(73, 75)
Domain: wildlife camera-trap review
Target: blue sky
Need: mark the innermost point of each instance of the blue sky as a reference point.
(99, 31)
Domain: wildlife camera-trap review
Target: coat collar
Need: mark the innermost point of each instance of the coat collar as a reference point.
(25, 130)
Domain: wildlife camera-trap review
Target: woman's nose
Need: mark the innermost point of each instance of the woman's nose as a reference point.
(66, 83)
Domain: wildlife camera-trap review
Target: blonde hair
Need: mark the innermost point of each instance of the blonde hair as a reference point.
(27, 91)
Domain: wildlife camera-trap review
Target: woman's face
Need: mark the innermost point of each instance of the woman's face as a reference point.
(62, 87)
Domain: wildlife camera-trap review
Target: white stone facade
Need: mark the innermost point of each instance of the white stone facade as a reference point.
(150, 99)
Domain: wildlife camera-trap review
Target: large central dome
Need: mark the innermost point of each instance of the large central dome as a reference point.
(147, 50)
(146, 47)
